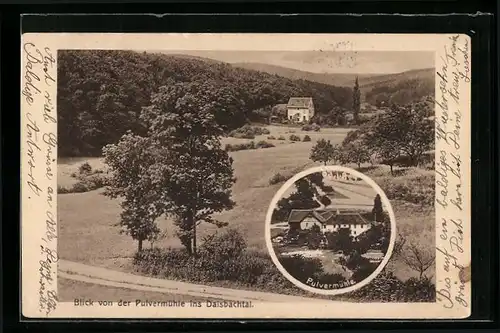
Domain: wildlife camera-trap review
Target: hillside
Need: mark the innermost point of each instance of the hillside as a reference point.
(101, 93)
(343, 80)
(408, 86)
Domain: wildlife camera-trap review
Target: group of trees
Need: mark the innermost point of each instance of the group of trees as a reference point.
(307, 195)
(402, 92)
(101, 94)
(178, 169)
(325, 152)
(400, 136)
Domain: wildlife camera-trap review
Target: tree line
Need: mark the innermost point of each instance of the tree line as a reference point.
(101, 94)
(403, 135)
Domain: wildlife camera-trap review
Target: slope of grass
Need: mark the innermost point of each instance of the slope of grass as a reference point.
(87, 221)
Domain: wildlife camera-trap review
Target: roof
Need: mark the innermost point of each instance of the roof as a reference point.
(299, 101)
(327, 216)
(298, 215)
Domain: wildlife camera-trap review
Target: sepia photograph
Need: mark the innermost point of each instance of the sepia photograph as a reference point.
(218, 177)
(330, 231)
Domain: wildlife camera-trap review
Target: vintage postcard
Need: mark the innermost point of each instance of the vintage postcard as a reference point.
(246, 176)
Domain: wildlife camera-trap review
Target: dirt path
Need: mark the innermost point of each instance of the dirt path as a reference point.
(102, 276)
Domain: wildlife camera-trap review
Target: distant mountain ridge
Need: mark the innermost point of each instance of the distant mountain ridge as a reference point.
(341, 79)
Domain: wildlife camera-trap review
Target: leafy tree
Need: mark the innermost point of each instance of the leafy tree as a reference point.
(377, 210)
(129, 160)
(314, 238)
(340, 240)
(190, 174)
(402, 131)
(322, 151)
(356, 152)
(356, 101)
(304, 197)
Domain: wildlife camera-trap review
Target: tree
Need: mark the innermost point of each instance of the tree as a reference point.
(304, 197)
(356, 101)
(377, 210)
(314, 238)
(402, 131)
(356, 152)
(340, 240)
(128, 160)
(190, 174)
(322, 151)
(418, 259)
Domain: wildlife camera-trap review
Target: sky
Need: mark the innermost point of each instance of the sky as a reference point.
(349, 62)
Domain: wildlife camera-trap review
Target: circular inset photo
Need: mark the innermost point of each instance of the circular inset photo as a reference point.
(330, 230)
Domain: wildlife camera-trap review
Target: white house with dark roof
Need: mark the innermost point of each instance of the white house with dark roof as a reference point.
(328, 221)
(300, 109)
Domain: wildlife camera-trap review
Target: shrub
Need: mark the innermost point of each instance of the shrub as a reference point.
(79, 187)
(264, 144)
(248, 132)
(74, 175)
(419, 290)
(281, 137)
(271, 137)
(221, 257)
(294, 137)
(243, 135)
(62, 189)
(311, 127)
(416, 186)
(85, 168)
(306, 138)
(277, 178)
(387, 288)
(86, 184)
(300, 267)
(248, 145)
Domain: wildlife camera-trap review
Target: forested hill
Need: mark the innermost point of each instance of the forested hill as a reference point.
(400, 88)
(101, 93)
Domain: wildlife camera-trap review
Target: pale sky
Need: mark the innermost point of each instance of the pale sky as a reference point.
(358, 62)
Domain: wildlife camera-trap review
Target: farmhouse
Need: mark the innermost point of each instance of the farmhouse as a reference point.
(328, 221)
(300, 109)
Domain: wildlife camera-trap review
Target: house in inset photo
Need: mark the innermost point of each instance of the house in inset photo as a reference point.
(300, 109)
(328, 221)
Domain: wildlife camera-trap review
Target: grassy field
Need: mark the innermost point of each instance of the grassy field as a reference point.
(87, 221)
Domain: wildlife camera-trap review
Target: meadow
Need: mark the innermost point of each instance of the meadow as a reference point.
(87, 221)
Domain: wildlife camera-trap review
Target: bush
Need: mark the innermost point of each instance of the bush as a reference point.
(85, 168)
(281, 137)
(294, 137)
(248, 145)
(242, 135)
(300, 267)
(415, 186)
(387, 288)
(62, 189)
(221, 257)
(419, 290)
(271, 137)
(306, 138)
(248, 132)
(277, 178)
(86, 184)
(264, 144)
(311, 127)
